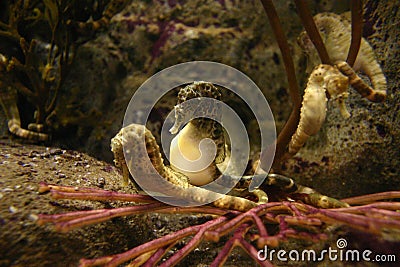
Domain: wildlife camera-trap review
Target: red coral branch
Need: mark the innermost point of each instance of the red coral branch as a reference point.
(238, 240)
(294, 221)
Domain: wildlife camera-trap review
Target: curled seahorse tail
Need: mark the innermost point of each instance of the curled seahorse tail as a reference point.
(359, 85)
(15, 128)
(36, 127)
(374, 71)
(112, 8)
(8, 100)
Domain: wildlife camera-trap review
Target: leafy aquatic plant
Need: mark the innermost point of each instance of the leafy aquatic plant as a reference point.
(39, 42)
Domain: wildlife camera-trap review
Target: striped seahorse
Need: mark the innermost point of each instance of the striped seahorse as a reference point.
(8, 100)
(335, 31)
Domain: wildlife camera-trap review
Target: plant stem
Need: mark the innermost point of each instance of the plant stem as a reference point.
(291, 124)
(356, 31)
(312, 31)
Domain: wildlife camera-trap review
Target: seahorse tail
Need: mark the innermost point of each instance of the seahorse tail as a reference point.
(187, 192)
(15, 128)
(372, 68)
(360, 86)
(326, 202)
(112, 8)
(234, 203)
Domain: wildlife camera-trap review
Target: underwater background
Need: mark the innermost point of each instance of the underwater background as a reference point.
(348, 157)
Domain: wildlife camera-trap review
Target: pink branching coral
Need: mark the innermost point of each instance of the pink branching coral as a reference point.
(295, 220)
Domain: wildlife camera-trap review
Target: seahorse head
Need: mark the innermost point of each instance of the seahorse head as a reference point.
(337, 83)
(194, 92)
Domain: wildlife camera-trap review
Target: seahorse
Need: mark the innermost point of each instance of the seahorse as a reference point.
(176, 178)
(362, 88)
(135, 143)
(335, 31)
(111, 9)
(8, 100)
(324, 79)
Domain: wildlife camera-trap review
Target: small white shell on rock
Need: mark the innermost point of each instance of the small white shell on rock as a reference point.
(13, 209)
(33, 217)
